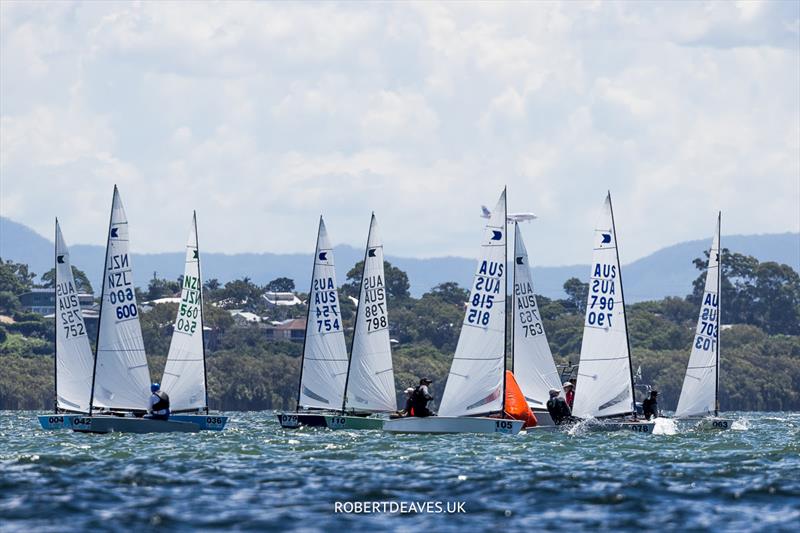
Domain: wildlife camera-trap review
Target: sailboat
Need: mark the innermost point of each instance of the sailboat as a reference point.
(120, 389)
(531, 361)
(185, 376)
(604, 389)
(476, 385)
(700, 393)
(323, 368)
(73, 361)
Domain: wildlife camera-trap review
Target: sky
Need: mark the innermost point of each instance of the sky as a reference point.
(262, 116)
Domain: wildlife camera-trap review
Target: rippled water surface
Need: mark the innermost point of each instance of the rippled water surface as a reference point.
(255, 475)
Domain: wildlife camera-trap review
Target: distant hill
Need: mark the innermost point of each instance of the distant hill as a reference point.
(667, 272)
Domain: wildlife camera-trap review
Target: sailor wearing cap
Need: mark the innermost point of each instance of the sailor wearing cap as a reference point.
(558, 408)
(650, 405)
(420, 398)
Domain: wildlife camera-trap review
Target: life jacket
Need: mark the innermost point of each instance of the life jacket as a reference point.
(419, 403)
(163, 401)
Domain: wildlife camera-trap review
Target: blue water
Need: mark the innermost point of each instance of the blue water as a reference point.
(256, 476)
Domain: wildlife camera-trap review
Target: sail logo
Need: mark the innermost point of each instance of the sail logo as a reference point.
(606, 238)
(323, 256)
(114, 233)
(497, 235)
(520, 261)
(60, 259)
(371, 252)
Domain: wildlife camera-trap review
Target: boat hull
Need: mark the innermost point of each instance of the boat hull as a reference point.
(448, 424)
(543, 418)
(209, 422)
(298, 420)
(64, 421)
(353, 422)
(612, 425)
(58, 421)
(118, 424)
(710, 423)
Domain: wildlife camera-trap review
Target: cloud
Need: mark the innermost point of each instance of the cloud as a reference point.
(263, 115)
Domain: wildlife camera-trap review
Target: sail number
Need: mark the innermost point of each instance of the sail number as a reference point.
(485, 292)
(69, 310)
(373, 298)
(119, 285)
(189, 310)
(602, 290)
(326, 305)
(722, 424)
(527, 310)
(503, 426)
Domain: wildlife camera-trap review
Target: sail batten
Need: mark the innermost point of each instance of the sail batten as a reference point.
(699, 394)
(324, 365)
(475, 384)
(370, 385)
(121, 376)
(74, 360)
(534, 368)
(605, 386)
(184, 373)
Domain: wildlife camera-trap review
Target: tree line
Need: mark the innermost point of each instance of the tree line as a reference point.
(760, 352)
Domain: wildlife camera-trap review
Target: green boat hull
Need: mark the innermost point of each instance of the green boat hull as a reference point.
(353, 422)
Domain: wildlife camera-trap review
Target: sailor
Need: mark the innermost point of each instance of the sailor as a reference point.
(650, 405)
(408, 410)
(569, 393)
(558, 408)
(420, 398)
(159, 403)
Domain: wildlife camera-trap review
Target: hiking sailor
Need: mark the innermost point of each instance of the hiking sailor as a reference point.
(159, 403)
(650, 405)
(558, 408)
(420, 398)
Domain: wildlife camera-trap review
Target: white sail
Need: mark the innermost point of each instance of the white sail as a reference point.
(604, 386)
(475, 383)
(324, 366)
(534, 368)
(74, 359)
(122, 377)
(699, 392)
(184, 374)
(370, 384)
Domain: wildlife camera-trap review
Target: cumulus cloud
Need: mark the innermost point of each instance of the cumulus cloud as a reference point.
(263, 115)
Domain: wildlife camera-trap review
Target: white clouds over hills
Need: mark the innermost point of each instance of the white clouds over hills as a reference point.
(263, 115)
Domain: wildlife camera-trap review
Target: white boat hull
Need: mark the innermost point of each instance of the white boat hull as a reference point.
(451, 424)
(119, 424)
(627, 425)
(543, 418)
(710, 423)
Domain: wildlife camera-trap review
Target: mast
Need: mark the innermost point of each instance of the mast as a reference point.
(102, 297)
(719, 308)
(624, 312)
(505, 279)
(308, 314)
(355, 324)
(513, 297)
(55, 320)
(202, 321)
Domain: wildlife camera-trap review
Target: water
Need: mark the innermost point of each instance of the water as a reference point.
(256, 476)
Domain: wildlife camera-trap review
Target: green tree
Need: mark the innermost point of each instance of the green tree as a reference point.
(577, 294)
(82, 282)
(396, 281)
(280, 285)
(15, 277)
(162, 288)
(449, 292)
(9, 303)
